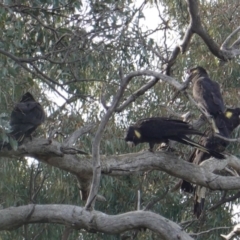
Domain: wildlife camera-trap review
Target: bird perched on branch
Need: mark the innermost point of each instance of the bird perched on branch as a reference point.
(231, 120)
(158, 129)
(26, 116)
(207, 94)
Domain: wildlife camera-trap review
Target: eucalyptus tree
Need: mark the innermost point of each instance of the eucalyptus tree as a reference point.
(96, 67)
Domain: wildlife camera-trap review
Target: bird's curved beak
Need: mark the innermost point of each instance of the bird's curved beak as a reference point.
(130, 144)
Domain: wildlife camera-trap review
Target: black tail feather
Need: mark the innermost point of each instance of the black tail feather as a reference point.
(216, 154)
(198, 208)
(187, 186)
(199, 199)
(202, 148)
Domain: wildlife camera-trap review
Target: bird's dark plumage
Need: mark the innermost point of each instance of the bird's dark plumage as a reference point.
(232, 118)
(209, 141)
(206, 92)
(26, 116)
(159, 129)
(229, 121)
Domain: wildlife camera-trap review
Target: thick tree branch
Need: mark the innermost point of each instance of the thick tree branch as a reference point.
(128, 164)
(92, 221)
(223, 52)
(196, 27)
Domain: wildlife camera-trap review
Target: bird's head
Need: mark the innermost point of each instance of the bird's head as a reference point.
(196, 72)
(132, 136)
(27, 97)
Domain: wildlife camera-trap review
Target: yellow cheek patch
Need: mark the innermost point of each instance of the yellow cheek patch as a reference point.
(137, 134)
(228, 114)
(194, 71)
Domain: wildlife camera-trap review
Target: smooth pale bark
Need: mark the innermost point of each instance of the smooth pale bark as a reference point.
(93, 221)
(127, 164)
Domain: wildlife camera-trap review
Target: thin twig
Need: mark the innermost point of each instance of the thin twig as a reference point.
(208, 231)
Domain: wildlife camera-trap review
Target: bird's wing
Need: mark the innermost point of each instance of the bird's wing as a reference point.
(37, 115)
(159, 128)
(19, 131)
(217, 96)
(25, 107)
(27, 112)
(208, 95)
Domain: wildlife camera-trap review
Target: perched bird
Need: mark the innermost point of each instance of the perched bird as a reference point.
(26, 116)
(207, 94)
(231, 120)
(158, 129)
